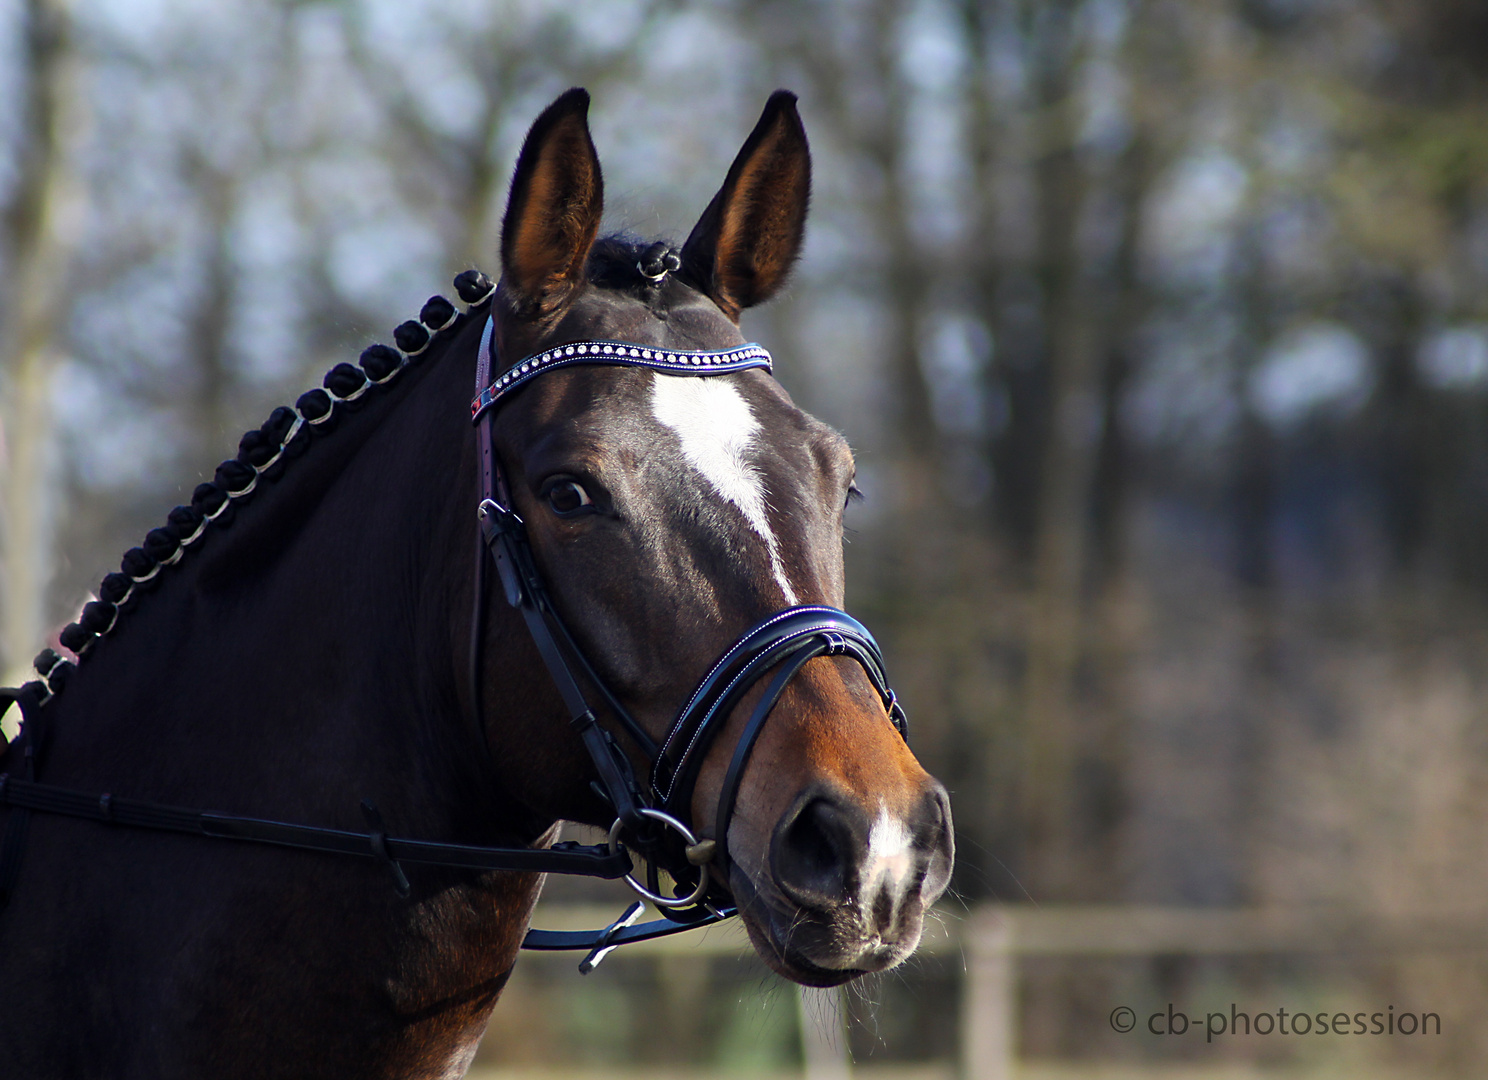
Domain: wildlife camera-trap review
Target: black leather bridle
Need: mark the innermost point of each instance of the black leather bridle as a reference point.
(652, 819)
(782, 642)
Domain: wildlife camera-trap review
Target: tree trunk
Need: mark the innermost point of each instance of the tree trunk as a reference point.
(41, 219)
(1066, 472)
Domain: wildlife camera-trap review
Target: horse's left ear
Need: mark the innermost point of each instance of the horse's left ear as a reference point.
(743, 246)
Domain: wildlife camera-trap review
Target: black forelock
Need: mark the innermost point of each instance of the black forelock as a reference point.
(615, 263)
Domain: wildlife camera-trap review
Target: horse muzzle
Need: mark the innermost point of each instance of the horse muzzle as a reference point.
(846, 885)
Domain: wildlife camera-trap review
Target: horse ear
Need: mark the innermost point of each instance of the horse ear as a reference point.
(553, 212)
(743, 246)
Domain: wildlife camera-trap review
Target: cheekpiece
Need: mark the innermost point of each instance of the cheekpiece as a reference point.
(669, 361)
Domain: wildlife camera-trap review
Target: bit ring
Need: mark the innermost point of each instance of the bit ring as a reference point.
(646, 894)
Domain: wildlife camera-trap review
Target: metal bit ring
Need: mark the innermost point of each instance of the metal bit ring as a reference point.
(641, 890)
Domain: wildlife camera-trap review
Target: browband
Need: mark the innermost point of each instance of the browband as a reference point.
(671, 361)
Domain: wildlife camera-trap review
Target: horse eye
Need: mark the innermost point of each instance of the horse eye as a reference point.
(568, 497)
(854, 494)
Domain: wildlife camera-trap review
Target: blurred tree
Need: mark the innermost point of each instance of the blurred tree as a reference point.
(41, 226)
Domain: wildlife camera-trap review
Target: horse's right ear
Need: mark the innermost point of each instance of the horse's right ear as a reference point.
(553, 212)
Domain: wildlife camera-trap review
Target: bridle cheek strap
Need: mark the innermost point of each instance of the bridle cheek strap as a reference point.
(505, 538)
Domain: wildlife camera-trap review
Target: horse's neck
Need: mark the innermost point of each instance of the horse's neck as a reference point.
(304, 657)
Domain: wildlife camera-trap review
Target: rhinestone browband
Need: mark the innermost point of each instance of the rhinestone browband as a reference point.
(671, 361)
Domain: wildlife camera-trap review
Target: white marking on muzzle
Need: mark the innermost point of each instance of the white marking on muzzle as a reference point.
(890, 857)
(717, 430)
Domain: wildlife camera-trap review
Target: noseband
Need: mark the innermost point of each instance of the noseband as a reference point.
(783, 643)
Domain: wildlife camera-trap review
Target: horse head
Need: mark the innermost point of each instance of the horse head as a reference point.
(670, 513)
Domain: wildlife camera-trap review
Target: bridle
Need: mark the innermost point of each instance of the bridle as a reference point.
(783, 642)
(651, 818)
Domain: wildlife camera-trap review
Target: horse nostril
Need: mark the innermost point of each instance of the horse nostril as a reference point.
(813, 854)
(936, 839)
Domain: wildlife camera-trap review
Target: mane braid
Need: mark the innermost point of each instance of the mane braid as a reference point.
(264, 452)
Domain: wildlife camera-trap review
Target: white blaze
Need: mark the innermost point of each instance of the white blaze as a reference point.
(717, 429)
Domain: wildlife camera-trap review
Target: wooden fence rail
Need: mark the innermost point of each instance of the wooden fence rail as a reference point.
(994, 938)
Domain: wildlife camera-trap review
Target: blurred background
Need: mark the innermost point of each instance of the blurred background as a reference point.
(1159, 328)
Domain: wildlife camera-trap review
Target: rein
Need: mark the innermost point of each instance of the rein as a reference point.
(651, 818)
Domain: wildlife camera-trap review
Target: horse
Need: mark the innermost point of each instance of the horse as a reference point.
(319, 638)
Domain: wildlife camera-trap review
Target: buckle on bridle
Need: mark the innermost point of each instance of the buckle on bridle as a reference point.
(497, 519)
(897, 715)
(505, 534)
(695, 848)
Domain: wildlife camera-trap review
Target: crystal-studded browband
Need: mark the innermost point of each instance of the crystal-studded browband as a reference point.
(670, 361)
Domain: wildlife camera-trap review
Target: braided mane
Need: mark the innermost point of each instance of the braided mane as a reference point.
(263, 454)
